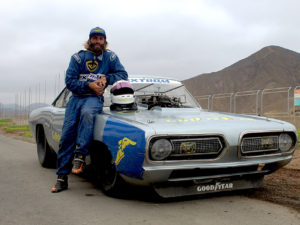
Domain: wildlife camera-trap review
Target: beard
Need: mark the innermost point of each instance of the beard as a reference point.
(98, 49)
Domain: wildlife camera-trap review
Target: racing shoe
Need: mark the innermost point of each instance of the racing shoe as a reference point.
(78, 164)
(61, 184)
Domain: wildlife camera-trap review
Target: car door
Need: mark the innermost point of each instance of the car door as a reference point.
(57, 118)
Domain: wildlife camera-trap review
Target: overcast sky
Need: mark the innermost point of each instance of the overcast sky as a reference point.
(174, 38)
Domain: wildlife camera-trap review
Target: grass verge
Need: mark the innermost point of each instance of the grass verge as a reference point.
(14, 128)
(5, 122)
(27, 134)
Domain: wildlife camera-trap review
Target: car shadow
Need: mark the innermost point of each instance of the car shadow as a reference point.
(148, 194)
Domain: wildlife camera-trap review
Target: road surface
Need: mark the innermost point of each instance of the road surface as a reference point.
(25, 198)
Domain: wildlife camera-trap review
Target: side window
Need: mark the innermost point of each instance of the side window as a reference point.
(62, 100)
(66, 98)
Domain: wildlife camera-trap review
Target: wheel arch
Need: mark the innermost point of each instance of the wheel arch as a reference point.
(96, 149)
(97, 144)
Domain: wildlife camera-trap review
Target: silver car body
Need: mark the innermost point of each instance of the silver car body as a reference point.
(211, 151)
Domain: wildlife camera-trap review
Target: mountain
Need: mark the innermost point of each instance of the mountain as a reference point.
(270, 67)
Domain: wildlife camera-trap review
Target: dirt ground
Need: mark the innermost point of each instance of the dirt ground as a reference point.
(281, 187)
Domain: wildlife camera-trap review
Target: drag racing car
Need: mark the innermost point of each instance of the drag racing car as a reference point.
(169, 143)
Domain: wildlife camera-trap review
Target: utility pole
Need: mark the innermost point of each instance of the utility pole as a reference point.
(29, 102)
(16, 102)
(58, 82)
(45, 93)
(39, 92)
(54, 87)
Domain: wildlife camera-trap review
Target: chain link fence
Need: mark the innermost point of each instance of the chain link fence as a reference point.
(19, 105)
(279, 103)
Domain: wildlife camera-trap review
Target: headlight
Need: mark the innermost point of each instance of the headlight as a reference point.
(161, 149)
(285, 142)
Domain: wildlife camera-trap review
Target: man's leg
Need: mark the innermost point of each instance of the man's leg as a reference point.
(91, 107)
(67, 144)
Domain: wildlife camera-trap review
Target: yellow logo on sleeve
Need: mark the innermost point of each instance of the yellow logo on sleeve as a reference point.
(91, 65)
(122, 145)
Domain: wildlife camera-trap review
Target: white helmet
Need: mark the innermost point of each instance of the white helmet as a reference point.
(122, 95)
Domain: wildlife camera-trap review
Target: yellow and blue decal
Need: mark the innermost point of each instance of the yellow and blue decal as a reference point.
(91, 65)
(127, 146)
(55, 136)
(122, 145)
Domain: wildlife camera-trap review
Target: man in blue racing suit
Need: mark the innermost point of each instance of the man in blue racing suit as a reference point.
(89, 72)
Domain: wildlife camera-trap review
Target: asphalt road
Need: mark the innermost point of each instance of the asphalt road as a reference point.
(25, 198)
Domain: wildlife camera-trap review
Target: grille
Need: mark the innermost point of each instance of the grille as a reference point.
(259, 145)
(205, 148)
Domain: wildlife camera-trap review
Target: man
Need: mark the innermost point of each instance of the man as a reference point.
(89, 72)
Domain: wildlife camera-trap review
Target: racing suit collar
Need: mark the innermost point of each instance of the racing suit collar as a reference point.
(99, 57)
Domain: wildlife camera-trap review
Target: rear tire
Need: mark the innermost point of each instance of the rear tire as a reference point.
(47, 157)
(107, 176)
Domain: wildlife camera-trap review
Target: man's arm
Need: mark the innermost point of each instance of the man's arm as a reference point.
(72, 82)
(116, 70)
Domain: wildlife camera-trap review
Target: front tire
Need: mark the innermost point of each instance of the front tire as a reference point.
(107, 176)
(46, 156)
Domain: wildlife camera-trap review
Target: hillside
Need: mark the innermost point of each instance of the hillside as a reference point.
(271, 67)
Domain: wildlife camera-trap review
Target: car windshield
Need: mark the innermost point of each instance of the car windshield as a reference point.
(152, 92)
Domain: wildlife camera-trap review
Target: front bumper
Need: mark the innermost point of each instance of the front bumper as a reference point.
(163, 173)
(196, 178)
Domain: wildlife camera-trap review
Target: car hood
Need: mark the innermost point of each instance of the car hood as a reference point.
(196, 121)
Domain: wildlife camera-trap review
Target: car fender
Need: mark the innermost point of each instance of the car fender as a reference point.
(126, 143)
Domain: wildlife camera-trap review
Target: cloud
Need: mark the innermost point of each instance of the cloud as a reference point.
(160, 37)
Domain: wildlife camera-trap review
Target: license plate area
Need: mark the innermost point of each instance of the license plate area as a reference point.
(197, 187)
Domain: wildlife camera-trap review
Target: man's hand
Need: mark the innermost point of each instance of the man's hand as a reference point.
(101, 81)
(96, 87)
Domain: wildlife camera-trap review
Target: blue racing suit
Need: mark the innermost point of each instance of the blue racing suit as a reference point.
(78, 127)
